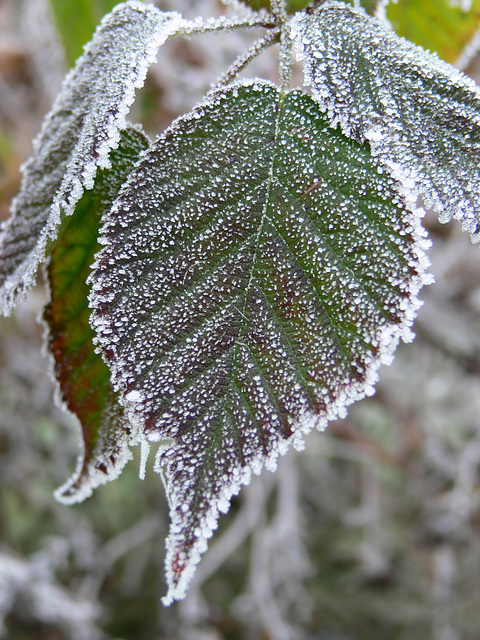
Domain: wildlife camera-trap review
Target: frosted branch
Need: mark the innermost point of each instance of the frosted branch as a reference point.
(244, 60)
(215, 25)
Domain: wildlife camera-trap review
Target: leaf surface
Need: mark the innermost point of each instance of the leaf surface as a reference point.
(83, 377)
(436, 25)
(77, 137)
(257, 269)
(420, 116)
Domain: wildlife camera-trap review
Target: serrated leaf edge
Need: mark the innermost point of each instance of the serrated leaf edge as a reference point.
(111, 470)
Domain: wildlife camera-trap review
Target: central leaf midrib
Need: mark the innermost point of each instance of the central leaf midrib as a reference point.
(234, 430)
(194, 420)
(246, 403)
(269, 182)
(191, 382)
(200, 477)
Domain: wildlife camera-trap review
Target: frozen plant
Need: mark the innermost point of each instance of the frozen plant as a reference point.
(220, 292)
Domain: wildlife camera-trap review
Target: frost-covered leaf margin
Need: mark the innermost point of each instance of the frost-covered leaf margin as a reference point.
(179, 276)
(77, 136)
(420, 115)
(83, 378)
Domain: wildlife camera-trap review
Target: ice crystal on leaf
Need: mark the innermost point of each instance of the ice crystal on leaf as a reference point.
(77, 137)
(420, 116)
(83, 377)
(257, 269)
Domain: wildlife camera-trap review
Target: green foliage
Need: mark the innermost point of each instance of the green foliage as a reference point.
(77, 138)
(237, 330)
(255, 266)
(437, 25)
(298, 5)
(83, 377)
(76, 21)
(419, 115)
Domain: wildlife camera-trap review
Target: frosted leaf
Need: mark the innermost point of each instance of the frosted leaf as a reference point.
(83, 377)
(77, 137)
(420, 115)
(257, 269)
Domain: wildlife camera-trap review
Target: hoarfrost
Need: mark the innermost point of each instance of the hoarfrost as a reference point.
(256, 270)
(77, 137)
(105, 462)
(420, 115)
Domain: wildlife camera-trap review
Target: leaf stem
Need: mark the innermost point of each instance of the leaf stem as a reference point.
(270, 38)
(285, 58)
(199, 26)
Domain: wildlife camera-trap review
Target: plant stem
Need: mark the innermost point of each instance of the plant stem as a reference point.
(245, 58)
(279, 9)
(285, 58)
(197, 27)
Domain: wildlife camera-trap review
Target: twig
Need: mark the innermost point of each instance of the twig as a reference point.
(198, 27)
(244, 59)
(279, 9)
(285, 58)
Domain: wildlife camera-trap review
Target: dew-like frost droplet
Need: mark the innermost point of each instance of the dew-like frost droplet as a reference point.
(77, 137)
(256, 270)
(420, 115)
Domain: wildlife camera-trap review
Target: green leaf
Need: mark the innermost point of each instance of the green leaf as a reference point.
(76, 21)
(83, 377)
(436, 25)
(77, 137)
(257, 269)
(420, 115)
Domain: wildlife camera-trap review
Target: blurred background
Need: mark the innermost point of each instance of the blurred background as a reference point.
(371, 533)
